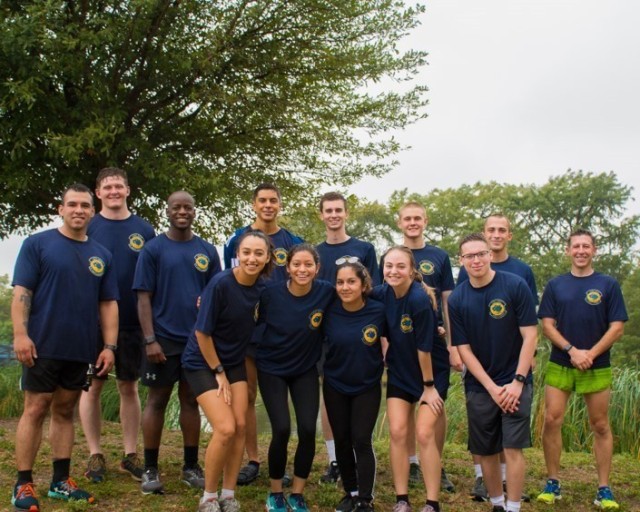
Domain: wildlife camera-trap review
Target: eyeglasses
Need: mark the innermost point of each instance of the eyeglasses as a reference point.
(347, 259)
(473, 256)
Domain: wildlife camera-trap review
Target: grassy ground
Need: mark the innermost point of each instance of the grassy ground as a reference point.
(120, 493)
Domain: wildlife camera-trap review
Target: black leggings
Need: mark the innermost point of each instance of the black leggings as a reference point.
(305, 395)
(352, 419)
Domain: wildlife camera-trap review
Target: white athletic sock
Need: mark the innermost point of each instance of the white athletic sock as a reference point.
(331, 449)
(503, 471)
(477, 468)
(413, 459)
(208, 496)
(227, 493)
(513, 506)
(497, 501)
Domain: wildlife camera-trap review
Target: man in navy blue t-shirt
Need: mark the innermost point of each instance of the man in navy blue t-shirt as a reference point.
(124, 234)
(63, 284)
(266, 203)
(171, 273)
(493, 324)
(339, 248)
(583, 315)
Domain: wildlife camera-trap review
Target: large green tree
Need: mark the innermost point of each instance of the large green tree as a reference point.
(210, 96)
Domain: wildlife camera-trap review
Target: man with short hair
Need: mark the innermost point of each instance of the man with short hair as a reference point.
(266, 203)
(63, 284)
(434, 265)
(339, 248)
(493, 324)
(583, 315)
(124, 235)
(497, 231)
(171, 272)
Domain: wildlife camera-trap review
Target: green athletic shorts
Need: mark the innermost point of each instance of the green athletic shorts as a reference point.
(582, 382)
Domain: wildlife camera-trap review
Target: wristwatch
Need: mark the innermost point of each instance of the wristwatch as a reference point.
(567, 347)
(113, 348)
(150, 340)
(219, 369)
(429, 383)
(520, 378)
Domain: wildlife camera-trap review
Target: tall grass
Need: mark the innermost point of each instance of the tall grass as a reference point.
(624, 411)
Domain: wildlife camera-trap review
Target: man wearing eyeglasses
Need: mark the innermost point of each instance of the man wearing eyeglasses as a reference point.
(493, 324)
(497, 231)
(337, 249)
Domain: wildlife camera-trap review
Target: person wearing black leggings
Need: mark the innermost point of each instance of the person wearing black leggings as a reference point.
(351, 387)
(291, 315)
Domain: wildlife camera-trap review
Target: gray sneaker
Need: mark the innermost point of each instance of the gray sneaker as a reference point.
(210, 505)
(401, 506)
(479, 491)
(193, 477)
(445, 484)
(229, 505)
(151, 482)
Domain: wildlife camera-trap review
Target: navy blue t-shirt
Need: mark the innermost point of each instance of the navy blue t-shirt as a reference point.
(583, 308)
(282, 241)
(175, 273)
(489, 320)
(354, 353)
(228, 313)
(68, 279)
(514, 266)
(291, 339)
(124, 239)
(435, 266)
(411, 326)
(329, 253)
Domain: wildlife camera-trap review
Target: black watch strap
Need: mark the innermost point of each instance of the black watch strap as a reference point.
(520, 378)
(219, 369)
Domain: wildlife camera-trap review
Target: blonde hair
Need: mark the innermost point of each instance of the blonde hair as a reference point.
(415, 275)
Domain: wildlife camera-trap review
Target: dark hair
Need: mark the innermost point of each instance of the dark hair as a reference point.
(361, 273)
(268, 268)
(333, 196)
(581, 232)
(415, 275)
(111, 172)
(302, 248)
(266, 186)
(76, 187)
(471, 237)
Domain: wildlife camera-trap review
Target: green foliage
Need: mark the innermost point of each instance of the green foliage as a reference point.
(6, 295)
(626, 351)
(212, 97)
(541, 219)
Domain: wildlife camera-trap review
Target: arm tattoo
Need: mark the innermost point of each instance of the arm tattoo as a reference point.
(25, 298)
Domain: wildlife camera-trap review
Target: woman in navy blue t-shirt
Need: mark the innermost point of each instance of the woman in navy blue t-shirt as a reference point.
(290, 343)
(213, 362)
(351, 385)
(411, 327)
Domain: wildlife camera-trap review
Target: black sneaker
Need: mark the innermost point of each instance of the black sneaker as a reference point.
(497, 508)
(151, 483)
(133, 465)
(445, 484)
(193, 477)
(415, 474)
(347, 504)
(96, 468)
(248, 474)
(364, 506)
(331, 475)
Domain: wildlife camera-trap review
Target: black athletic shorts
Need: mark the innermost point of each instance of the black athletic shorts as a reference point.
(491, 430)
(128, 356)
(46, 375)
(161, 375)
(204, 380)
(397, 392)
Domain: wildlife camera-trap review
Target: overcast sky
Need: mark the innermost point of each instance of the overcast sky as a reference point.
(519, 91)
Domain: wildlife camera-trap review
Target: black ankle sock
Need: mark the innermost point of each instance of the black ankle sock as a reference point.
(24, 477)
(190, 457)
(434, 504)
(151, 457)
(402, 497)
(61, 469)
(254, 463)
